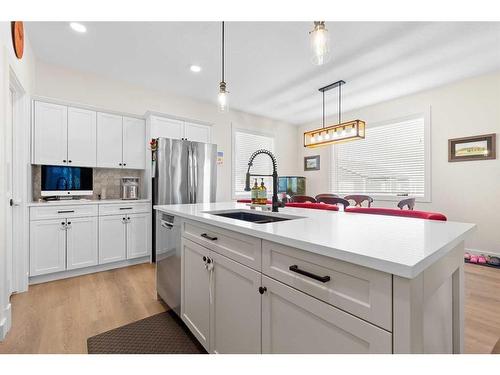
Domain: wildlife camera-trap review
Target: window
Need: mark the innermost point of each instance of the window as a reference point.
(390, 163)
(245, 143)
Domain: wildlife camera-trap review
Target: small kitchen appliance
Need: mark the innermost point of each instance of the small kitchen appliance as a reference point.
(129, 188)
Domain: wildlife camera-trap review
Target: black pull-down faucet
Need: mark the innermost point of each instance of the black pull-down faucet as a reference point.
(276, 204)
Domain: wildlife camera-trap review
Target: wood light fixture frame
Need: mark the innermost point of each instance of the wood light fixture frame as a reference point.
(342, 132)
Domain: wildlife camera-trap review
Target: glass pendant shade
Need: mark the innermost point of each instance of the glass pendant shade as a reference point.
(223, 98)
(347, 131)
(320, 43)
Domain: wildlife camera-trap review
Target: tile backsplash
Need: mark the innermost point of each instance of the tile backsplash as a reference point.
(104, 179)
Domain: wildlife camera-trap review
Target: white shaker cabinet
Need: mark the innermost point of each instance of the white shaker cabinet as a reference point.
(47, 246)
(195, 299)
(112, 238)
(134, 143)
(82, 137)
(81, 242)
(197, 132)
(235, 307)
(162, 127)
(50, 134)
(294, 322)
(109, 140)
(137, 239)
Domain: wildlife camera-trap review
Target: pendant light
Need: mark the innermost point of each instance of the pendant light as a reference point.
(319, 43)
(342, 132)
(223, 97)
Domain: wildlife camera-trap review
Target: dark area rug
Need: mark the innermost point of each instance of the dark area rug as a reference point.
(163, 333)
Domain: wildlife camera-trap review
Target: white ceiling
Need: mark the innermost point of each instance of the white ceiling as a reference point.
(269, 72)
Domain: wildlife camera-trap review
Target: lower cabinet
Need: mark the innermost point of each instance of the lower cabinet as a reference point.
(294, 322)
(138, 235)
(81, 242)
(47, 246)
(220, 301)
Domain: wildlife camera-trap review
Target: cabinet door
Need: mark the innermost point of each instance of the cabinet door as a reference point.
(138, 235)
(81, 242)
(166, 128)
(134, 143)
(197, 132)
(112, 242)
(82, 137)
(50, 132)
(47, 246)
(195, 307)
(109, 140)
(294, 322)
(235, 307)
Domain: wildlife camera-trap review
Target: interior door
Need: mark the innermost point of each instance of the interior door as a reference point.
(235, 308)
(134, 143)
(81, 242)
(82, 137)
(50, 134)
(112, 240)
(138, 235)
(9, 189)
(109, 140)
(195, 308)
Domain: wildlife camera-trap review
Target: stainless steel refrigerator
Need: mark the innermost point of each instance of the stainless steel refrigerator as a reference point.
(185, 172)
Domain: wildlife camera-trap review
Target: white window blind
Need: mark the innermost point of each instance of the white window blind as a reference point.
(390, 161)
(245, 144)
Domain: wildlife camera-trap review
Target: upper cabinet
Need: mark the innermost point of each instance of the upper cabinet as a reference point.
(164, 127)
(82, 137)
(50, 134)
(120, 142)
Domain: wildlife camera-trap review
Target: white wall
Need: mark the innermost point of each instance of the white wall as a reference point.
(24, 71)
(463, 191)
(61, 83)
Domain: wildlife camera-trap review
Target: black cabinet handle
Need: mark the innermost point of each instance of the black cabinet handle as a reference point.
(120, 164)
(65, 212)
(64, 161)
(204, 258)
(296, 269)
(124, 164)
(69, 161)
(125, 208)
(262, 289)
(204, 235)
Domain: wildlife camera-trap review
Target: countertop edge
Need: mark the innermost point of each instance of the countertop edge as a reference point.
(84, 202)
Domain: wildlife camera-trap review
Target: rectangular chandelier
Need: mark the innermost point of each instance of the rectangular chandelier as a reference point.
(345, 132)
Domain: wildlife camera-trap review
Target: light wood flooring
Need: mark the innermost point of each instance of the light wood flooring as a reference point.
(59, 316)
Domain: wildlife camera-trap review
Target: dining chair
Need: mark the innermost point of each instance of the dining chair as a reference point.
(302, 199)
(359, 199)
(409, 202)
(320, 196)
(336, 200)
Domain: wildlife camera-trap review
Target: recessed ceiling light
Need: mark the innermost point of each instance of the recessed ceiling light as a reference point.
(195, 68)
(78, 27)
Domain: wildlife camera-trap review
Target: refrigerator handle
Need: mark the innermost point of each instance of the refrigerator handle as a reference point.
(195, 176)
(190, 175)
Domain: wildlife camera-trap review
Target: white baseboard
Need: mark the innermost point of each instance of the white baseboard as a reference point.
(84, 271)
(6, 322)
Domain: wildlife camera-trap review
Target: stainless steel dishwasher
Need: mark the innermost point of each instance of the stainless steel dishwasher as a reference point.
(168, 260)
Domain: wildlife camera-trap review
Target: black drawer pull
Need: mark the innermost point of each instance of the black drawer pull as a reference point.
(126, 208)
(296, 269)
(65, 212)
(204, 235)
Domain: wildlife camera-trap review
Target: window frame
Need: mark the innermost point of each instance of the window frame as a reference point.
(240, 195)
(427, 198)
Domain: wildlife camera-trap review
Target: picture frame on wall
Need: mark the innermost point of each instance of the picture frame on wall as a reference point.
(478, 147)
(311, 163)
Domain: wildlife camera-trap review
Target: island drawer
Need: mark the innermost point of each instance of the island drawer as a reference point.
(123, 208)
(55, 212)
(236, 246)
(361, 291)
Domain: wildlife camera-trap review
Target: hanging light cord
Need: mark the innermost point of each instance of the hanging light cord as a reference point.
(222, 51)
(340, 104)
(323, 109)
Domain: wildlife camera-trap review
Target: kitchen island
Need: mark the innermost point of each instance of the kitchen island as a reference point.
(319, 281)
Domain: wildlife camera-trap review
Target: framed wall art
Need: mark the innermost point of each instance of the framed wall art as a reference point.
(478, 147)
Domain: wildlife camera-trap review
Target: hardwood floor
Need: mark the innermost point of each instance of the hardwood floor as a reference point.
(59, 316)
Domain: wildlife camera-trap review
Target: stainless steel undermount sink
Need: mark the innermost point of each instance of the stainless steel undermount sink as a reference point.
(253, 217)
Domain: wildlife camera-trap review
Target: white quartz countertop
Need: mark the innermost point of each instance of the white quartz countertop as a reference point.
(397, 245)
(71, 202)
